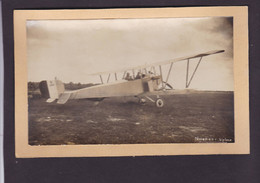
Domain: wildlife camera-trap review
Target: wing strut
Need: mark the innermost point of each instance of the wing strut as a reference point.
(115, 76)
(108, 78)
(161, 73)
(187, 74)
(124, 75)
(168, 73)
(154, 70)
(101, 79)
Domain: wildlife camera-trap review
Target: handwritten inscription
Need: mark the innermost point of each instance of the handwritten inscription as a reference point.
(208, 139)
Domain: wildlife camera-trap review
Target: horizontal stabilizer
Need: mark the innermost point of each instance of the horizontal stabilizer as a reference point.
(64, 98)
(50, 100)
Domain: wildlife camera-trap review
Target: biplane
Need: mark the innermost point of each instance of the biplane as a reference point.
(145, 82)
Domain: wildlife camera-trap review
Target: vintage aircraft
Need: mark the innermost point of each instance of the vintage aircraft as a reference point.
(144, 82)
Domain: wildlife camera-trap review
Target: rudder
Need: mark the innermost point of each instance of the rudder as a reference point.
(51, 89)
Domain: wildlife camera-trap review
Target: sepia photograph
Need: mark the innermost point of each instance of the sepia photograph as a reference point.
(133, 81)
(128, 81)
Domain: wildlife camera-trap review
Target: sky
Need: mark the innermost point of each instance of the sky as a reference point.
(72, 49)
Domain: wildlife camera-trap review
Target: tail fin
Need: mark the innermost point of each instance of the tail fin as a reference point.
(51, 89)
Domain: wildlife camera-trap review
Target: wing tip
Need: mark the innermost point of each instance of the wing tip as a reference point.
(221, 51)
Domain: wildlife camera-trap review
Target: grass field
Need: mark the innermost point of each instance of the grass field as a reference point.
(196, 117)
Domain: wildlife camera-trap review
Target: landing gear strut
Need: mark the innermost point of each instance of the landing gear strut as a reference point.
(158, 101)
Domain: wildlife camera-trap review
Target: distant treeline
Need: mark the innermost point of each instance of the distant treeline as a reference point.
(32, 86)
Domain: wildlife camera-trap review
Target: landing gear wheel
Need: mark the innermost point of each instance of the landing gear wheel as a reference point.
(142, 101)
(159, 102)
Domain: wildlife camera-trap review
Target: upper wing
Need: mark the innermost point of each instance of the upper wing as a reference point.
(161, 63)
